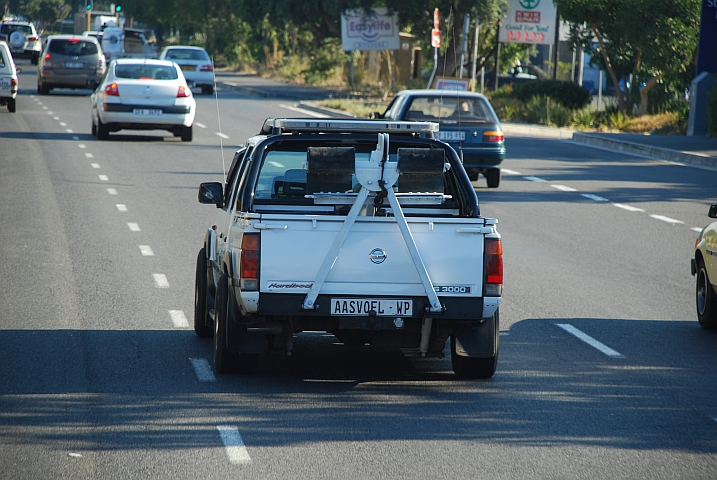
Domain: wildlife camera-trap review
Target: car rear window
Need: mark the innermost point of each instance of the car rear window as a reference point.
(74, 47)
(26, 29)
(146, 72)
(451, 109)
(186, 54)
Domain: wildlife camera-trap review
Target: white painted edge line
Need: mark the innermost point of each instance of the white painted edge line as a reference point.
(122, 207)
(178, 318)
(594, 197)
(564, 188)
(535, 179)
(629, 208)
(303, 111)
(104, 178)
(590, 340)
(666, 219)
(133, 226)
(234, 445)
(506, 171)
(160, 280)
(220, 134)
(112, 191)
(146, 250)
(203, 370)
(200, 125)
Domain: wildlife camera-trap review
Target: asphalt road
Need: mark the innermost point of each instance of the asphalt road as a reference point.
(603, 371)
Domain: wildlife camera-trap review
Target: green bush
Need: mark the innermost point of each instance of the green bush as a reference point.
(568, 94)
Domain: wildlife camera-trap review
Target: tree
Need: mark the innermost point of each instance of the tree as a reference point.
(45, 12)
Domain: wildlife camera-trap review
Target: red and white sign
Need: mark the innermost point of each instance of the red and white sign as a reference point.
(436, 38)
(529, 21)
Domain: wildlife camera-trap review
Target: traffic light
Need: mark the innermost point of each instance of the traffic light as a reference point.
(118, 8)
(88, 4)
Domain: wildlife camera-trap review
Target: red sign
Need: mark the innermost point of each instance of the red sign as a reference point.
(524, 16)
(436, 20)
(436, 38)
(526, 36)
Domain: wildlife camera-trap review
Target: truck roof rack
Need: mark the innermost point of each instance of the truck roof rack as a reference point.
(277, 126)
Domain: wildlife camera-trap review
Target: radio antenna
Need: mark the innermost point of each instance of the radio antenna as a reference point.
(219, 121)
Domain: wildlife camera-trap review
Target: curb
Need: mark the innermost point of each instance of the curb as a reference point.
(657, 152)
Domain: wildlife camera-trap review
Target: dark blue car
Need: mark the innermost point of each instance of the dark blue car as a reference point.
(467, 122)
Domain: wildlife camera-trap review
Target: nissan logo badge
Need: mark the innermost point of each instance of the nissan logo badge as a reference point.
(377, 255)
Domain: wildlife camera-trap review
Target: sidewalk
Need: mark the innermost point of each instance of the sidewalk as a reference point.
(677, 148)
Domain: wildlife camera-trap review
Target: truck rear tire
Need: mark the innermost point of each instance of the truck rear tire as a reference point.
(471, 367)
(202, 323)
(706, 299)
(226, 361)
(11, 105)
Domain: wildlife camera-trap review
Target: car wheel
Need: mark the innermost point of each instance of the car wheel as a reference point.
(706, 299)
(472, 175)
(469, 367)
(226, 361)
(187, 134)
(11, 105)
(208, 89)
(492, 176)
(103, 131)
(94, 129)
(44, 89)
(35, 59)
(202, 323)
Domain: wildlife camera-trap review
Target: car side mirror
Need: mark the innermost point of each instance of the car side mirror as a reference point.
(375, 116)
(18, 70)
(210, 193)
(713, 211)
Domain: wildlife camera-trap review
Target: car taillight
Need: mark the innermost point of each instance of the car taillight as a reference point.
(73, 40)
(493, 136)
(183, 92)
(493, 267)
(206, 68)
(32, 39)
(48, 60)
(13, 85)
(249, 262)
(112, 89)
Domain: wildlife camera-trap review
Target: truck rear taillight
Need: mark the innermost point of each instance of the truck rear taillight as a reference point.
(249, 262)
(493, 136)
(493, 267)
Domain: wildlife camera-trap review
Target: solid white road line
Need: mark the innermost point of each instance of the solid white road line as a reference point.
(203, 370)
(104, 178)
(122, 207)
(629, 208)
(233, 444)
(666, 219)
(535, 179)
(146, 250)
(179, 319)
(160, 280)
(112, 191)
(564, 188)
(590, 340)
(594, 197)
(133, 226)
(303, 111)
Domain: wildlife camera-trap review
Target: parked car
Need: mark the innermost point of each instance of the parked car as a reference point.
(467, 123)
(69, 61)
(22, 38)
(195, 63)
(143, 94)
(704, 266)
(8, 78)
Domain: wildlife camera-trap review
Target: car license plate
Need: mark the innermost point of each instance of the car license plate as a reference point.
(73, 65)
(189, 68)
(4, 83)
(450, 135)
(146, 112)
(363, 306)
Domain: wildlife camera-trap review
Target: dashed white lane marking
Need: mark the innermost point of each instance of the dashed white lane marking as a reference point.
(597, 198)
(63, 124)
(234, 445)
(146, 250)
(666, 219)
(50, 113)
(696, 229)
(112, 191)
(95, 165)
(178, 318)
(564, 188)
(506, 171)
(629, 208)
(133, 226)
(200, 125)
(122, 207)
(55, 118)
(89, 155)
(103, 178)
(203, 370)
(534, 179)
(220, 134)
(302, 111)
(160, 280)
(44, 108)
(590, 340)
(81, 145)
(69, 130)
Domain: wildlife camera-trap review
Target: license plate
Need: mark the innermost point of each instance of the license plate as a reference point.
(146, 112)
(363, 306)
(449, 135)
(4, 83)
(189, 68)
(73, 65)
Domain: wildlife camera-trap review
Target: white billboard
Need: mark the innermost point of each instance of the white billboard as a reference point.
(375, 30)
(529, 21)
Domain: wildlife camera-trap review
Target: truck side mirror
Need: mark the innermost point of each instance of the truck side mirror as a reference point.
(211, 193)
(713, 211)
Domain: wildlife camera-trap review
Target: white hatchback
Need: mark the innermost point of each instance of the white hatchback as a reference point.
(195, 63)
(8, 78)
(137, 94)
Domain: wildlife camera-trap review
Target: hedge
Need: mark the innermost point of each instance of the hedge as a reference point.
(569, 94)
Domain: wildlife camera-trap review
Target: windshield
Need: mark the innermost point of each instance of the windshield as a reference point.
(451, 109)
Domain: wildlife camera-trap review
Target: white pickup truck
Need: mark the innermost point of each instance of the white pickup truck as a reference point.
(369, 230)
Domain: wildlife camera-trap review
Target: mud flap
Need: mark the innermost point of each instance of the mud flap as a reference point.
(239, 342)
(479, 342)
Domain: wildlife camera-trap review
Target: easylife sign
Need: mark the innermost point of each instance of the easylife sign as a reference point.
(375, 30)
(529, 21)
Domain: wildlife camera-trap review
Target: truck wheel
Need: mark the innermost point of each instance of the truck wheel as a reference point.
(202, 323)
(492, 177)
(11, 105)
(226, 361)
(469, 367)
(706, 299)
